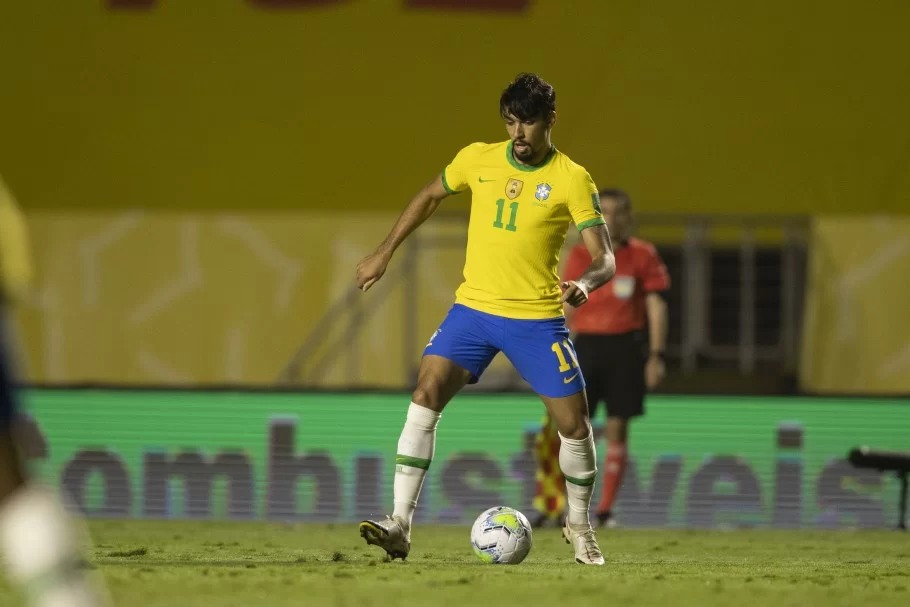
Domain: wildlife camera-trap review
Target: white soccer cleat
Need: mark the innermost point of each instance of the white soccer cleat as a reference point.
(587, 552)
(391, 534)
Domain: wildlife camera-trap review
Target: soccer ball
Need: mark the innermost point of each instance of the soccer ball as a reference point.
(501, 536)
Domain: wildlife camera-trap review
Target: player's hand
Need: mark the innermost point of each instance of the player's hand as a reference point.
(370, 269)
(655, 369)
(574, 293)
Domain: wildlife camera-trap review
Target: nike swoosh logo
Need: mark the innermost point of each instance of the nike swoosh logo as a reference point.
(569, 379)
(482, 180)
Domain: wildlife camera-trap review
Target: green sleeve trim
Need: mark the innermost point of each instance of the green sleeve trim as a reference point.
(413, 462)
(445, 184)
(597, 221)
(581, 482)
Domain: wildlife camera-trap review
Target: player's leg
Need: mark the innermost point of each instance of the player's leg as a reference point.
(587, 350)
(457, 354)
(37, 538)
(549, 476)
(625, 401)
(544, 356)
(577, 456)
(438, 380)
(578, 462)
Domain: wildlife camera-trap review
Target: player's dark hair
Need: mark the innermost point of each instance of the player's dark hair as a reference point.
(618, 195)
(528, 97)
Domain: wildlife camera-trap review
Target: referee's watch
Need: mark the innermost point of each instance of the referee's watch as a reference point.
(658, 353)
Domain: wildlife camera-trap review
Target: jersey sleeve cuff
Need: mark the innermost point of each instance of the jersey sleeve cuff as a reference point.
(597, 221)
(445, 184)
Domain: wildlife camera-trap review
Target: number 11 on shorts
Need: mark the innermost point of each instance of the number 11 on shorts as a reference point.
(564, 363)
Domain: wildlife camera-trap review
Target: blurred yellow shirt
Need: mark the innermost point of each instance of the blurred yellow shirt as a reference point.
(519, 218)
(15, 264)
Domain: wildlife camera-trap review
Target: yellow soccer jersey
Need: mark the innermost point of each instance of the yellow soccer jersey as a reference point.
(519, 218)
(15, 264)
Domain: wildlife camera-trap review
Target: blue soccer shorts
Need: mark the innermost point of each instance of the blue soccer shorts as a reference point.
(539, 349)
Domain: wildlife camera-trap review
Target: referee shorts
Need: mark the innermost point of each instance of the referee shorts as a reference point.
(614, 371)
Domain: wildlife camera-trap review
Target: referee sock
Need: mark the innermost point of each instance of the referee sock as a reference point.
(615, 468)
(578, 461)
(415, 452)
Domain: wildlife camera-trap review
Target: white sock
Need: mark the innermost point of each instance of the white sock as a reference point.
(578, 461)
(415, 452)
(42, 549)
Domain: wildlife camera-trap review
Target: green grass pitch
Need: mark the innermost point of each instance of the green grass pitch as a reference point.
(190, 564)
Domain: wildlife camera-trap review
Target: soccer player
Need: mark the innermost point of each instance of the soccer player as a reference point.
(619, 358)
(525, 193)
(37, 538)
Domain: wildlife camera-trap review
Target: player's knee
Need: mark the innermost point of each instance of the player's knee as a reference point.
(427, 394)
(576, 429)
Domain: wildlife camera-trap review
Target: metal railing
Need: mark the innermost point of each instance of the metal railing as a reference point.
(696, 348)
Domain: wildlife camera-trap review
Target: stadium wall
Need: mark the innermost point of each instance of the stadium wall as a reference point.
(141, 298)
(190, 298)
(696, 462)
(856, 337)
(702, 107)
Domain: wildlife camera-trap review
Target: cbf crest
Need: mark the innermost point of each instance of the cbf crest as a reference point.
(543, 191)
(513, 188)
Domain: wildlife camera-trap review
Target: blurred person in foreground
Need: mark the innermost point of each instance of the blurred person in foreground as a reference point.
(525, 193)
(620, 337)
(39, 543)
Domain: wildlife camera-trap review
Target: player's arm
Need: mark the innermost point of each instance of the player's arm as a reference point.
(599, 271)
(576, 264)
(422, 206)
(584, 207)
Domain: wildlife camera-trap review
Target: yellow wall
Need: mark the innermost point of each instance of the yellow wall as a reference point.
(281, 143)
(856, 337)
(130, 297)
(702, 106)
(182, 298)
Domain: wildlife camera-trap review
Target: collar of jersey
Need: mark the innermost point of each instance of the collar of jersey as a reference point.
(526, 167)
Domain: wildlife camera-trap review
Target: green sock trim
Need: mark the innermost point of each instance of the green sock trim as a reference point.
(413, 462)
(581, 482)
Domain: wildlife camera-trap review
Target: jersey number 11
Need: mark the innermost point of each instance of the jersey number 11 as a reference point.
(500, 208)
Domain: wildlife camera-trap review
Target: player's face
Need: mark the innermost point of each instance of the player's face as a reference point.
(618, 217)
(530, 138)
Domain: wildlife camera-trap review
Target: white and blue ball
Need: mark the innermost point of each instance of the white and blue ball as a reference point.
(501, 536)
